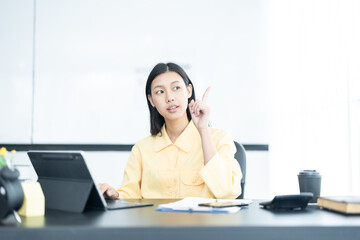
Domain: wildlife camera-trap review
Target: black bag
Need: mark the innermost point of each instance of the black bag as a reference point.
(11, 192)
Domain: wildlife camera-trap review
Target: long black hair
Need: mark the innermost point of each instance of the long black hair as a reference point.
(156, 120)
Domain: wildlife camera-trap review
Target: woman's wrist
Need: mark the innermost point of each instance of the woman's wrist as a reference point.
(205, 131)
(208, 146)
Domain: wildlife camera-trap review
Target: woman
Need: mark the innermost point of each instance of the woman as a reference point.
(183, 157)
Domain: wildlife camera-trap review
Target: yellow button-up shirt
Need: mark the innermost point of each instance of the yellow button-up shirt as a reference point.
(158, 168)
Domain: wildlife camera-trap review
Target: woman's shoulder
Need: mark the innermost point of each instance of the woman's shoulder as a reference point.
(145, 142)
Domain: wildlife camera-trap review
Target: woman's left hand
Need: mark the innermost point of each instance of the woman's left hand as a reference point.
(200, 112)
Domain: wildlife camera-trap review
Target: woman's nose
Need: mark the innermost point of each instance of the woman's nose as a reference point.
(169, 97)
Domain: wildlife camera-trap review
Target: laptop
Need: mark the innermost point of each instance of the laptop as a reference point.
(68, 184)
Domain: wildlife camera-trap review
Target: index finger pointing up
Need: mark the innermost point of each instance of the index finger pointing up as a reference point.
(206, 93)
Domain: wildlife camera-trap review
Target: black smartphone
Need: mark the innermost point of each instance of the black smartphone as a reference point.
(223, 204)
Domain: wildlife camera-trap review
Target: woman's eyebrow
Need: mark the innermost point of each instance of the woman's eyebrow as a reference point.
(176, 81)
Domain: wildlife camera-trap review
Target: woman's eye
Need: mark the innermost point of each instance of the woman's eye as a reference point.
(176, 88)
(159, 91)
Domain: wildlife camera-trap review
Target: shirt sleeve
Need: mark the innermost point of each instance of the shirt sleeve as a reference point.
(222, 173)
(130, 188)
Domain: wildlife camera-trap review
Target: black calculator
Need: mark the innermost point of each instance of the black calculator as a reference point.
(289, 202)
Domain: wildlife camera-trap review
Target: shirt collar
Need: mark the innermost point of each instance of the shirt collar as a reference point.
(162, 140)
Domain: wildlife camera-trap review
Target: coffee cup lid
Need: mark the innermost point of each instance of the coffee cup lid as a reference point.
(309, 172)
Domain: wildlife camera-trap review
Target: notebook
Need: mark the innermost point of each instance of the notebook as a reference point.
(68, 185)
(342, 204)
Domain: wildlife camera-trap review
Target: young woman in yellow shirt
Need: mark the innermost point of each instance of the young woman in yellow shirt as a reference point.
(183, 157)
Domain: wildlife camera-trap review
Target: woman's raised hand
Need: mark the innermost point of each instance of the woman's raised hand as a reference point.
(107, 191)
(200, 111)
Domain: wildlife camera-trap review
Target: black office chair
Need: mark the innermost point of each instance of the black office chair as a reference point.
(240, 156)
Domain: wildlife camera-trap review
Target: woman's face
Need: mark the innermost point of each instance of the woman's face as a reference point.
(169, 95)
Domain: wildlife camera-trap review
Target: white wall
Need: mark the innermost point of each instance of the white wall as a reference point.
(92, 59)
(16, 69)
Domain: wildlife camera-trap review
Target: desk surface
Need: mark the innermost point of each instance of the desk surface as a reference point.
(251, 222)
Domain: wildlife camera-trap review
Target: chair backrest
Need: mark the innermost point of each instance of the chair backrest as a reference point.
(240, 156)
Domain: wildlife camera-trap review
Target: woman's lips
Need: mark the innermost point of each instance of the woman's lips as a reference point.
(172, 109)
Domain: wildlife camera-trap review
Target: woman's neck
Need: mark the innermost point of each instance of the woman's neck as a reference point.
(175, 127)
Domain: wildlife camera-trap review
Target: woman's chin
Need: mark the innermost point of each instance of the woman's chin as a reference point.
(174, 115)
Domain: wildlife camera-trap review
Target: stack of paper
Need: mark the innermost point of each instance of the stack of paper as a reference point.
(191, 204)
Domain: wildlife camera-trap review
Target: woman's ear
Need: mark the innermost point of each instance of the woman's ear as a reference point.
(150, 100)
(189, 89)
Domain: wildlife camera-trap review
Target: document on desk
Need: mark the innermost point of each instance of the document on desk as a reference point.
(191, 204)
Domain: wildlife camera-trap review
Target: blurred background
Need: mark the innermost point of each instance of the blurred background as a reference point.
(284, 73)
